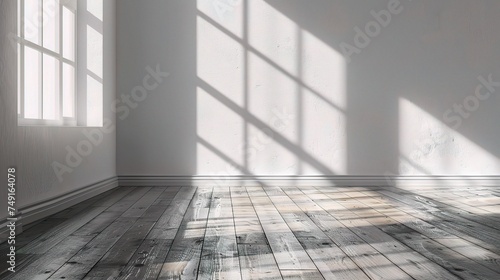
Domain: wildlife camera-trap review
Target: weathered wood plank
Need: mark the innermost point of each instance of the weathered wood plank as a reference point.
(255, 191)
(93, 201)
(140, 263)
(138, 209)
(184, 256)
(185, 193)
(49, 239)
(478, 254)
(110, 265)
(457, 200)
(416, 265)
(44, 266)
(460, 211)
(268, 233)
(301, 274)
(476, 233)
(128, 200)
(257, 262)
(447, 258)
(32, 233)
(332, 262)
(81, 263)
(98, 224)
(173, 215)
(52, 229)
(219, 259)
(446, 240)
(287, 250)
(117, 194)
(372, 262)
(148, 259)
(23, 261)
(115, 210)
(167, 196)
(247, 224)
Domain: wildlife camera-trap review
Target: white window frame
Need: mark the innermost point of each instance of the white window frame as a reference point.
(22, 43)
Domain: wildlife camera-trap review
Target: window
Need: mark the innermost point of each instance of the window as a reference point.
(47, 62)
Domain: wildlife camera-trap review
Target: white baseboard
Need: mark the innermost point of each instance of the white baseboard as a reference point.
(40, 210)
(389, 180)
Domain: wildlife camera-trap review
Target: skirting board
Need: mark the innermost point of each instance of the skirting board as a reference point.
(40, 210)
(389, 180)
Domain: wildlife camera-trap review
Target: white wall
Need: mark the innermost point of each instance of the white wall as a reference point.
(161, 128)
(266, 87)
(32, 150)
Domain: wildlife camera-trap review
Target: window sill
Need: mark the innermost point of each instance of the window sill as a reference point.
(47, 123)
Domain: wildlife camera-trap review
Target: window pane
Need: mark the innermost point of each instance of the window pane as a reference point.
(32, 82)
(50, 87)
(68, 91)
(51, 25)
(68, 34)
(19, 20)
(94, 102)
(19, 79)
(32, 20)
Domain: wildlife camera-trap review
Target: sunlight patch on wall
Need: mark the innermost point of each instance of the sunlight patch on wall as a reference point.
(323, 70)
(220, 61)
(272, 97)
(267, 153)
(273, 35)
(95, 46)
(275, 104)
(311, 118)
(323, 136)
(95, 7)
(226, 13)
(323, 104)
(428, 147)
(221, 128)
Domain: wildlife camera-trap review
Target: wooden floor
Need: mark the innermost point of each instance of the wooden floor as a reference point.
(268, 233)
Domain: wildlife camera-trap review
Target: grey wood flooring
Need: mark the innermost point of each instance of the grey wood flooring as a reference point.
(268, 233)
